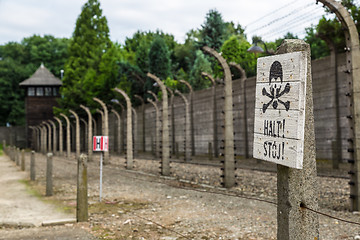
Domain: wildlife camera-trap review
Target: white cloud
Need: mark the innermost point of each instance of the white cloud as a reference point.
(22, 18)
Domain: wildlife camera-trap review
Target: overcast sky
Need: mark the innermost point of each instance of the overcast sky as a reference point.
(269, 19)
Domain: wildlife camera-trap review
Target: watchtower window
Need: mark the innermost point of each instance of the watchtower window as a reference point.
(31, 91)
(55, 91)
(48, 91)
(39, 91)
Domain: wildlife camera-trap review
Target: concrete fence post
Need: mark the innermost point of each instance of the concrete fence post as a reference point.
(297, 187)
(68, 137)
(17, 156)
(214, 113)
(77, 133)
(49, 168)
(54, 136)
(118, 134)
(82, 190)
(165, 150)
(353, 77)
(135, 132)
(106, 127)
(90, 131)
(32, 166)
(129, 141)
(191, 113)
(229, 161)
(187, 139)
(61, 148)
(49, 147)
(143, 121)
(245, 126)
(157, 129)
(22, 166)
(84, 141)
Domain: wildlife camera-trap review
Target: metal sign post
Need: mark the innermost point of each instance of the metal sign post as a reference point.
(101, 143)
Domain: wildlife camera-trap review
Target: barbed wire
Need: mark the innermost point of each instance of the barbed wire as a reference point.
(295, 11)
(271, 13)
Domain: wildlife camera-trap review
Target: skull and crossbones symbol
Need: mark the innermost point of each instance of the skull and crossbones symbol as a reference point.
(275, 82)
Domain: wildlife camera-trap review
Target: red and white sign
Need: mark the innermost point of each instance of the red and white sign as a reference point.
(101, 143)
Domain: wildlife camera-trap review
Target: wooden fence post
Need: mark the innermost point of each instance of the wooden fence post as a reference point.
(22, 160)
(32, 166)
(82, 190)
(49, 167)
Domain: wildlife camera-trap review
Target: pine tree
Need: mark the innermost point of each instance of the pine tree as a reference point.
(201, 64)
(82, 70)
(214, 30)
(159, 62)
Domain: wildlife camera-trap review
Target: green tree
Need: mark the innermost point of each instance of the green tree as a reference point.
(159, 59)
(331, 29)
(84, 70)
(18, 61)
(201, 64)
(213, 32)
(235, 50)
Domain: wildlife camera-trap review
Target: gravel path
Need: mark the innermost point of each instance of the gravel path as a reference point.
(141, 204)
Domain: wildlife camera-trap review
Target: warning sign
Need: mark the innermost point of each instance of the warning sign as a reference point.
(101, 143)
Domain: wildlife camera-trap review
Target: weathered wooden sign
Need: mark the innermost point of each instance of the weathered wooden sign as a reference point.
(280, 109)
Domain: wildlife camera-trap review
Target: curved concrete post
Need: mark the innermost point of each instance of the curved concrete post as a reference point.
(171, 104)
(187, 146)
(353, 70)
(34, 138)
(157, 128)
(191, 103)
(135, 129)
(214, 114)
(143, 121)
(118, 135)
(229, 163)
(102, 121)
(89, 131)
(39, 139)
(85, 146)
(49, 147)
(68, 141)
(154, 95)
(35, 134)
(106, 127)
(129, 140)
(122, 127)
(95, 127)
(77, 134)
(165, 164)
(61, 148)
(54, 136)
(44, 139)
(245, 125)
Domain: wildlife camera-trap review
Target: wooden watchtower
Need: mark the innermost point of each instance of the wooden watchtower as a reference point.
(41, 91)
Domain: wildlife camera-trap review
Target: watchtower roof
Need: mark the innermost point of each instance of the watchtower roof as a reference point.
(42, 77)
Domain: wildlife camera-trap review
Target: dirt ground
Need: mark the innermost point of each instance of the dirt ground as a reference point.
(140, 204)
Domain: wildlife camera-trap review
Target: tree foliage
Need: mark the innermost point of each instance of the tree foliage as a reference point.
(201, 64)
(90, 70)
(213, 31)
(235, 50)
(18, 61)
